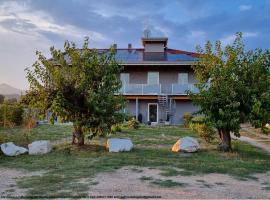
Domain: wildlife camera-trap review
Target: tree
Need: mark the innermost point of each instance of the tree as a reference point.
(2, 98)
(78, 85)
(234, 87)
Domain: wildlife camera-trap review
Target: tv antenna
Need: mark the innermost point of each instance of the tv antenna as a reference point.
(146, 32)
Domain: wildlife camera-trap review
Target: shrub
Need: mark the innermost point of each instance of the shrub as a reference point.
(198, 119)
(187, 118)
(116, 128)
(203, 130)
(11, 114)
(206, 132)
(133, 123)
(30, 118)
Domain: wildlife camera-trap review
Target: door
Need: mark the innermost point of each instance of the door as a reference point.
(153, 78)
(183, 78)
(153, 112)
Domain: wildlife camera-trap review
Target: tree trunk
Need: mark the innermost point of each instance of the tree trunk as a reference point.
(78, 137)
(225, 137)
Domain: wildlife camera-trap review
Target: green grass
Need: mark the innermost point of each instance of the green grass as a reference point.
(67, 165)
(23, 137)
(201, 181)
(137, 170)
(146, 178)
(168, 183)
(219, 183)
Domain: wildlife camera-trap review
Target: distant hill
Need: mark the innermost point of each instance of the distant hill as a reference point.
(10, 92)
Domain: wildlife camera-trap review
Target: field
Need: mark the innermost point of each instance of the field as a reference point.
(69, 171)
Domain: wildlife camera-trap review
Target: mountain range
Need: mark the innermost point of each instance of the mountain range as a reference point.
(10, 92)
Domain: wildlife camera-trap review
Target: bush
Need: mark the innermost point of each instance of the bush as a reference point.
(198, 119)
(187, 118)
(116, 128)
(206, 132)
(203, 130)
(11, 114)
(133, 123)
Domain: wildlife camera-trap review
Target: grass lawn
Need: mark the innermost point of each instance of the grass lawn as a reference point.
(23, 137)
(68, 165)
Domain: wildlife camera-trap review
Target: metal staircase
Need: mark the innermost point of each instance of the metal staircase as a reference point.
(163, 100)
(166, 104)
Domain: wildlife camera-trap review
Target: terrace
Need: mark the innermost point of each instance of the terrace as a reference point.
(157, 89)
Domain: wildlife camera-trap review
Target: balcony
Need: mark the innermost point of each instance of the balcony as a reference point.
(158, 89)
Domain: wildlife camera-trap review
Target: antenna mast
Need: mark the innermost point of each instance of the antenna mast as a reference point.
(146, 32)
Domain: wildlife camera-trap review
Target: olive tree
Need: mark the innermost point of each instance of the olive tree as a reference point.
(79, 86)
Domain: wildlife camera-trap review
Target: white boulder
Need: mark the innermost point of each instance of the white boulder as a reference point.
(119, 144)
(39, 147)
(10, 149)
(186, 144)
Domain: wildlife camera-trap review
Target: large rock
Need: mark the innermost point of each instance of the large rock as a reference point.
(39, 147)
(119, 144)
(186, 144)
(10, 149)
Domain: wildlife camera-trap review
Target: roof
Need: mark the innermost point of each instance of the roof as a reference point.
(138, 56)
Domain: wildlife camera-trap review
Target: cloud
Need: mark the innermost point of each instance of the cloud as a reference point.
(17, 18)
(30, 25)
(245, 7)
(230, 38)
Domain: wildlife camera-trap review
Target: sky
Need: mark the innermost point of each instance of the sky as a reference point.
(30, 25)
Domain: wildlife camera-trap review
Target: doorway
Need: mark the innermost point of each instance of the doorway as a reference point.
(153, 112)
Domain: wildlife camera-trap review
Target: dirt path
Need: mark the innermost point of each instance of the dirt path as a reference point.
(128, 182)
(254, 138)
(131, 181)
(8, 178)
(254, 142)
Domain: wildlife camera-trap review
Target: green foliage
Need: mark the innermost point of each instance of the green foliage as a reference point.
(205, 131)
(11, 101)
(187, 118)
(11, 114)
(198, 119)
(2, 98)
(133, 123)
(29, 119)
(116, 128)
(78, 86)
(234, 85)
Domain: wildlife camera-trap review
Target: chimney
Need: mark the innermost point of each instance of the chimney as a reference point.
(129, 47)
(115, 46)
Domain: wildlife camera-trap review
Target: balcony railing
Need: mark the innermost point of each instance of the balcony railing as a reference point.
(157, 89)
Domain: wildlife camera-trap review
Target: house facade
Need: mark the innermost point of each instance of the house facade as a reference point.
(155, 80)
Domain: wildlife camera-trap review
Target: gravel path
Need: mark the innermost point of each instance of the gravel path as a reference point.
(256, 143)
(8, 178)
(127, 182)
(256, 139)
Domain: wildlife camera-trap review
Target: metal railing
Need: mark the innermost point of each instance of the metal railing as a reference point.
(157, 89)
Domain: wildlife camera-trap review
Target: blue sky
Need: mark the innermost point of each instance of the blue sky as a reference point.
(30, 25)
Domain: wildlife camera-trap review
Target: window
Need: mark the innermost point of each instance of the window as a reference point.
(183, 78)
(153, 78)
(124, 77)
